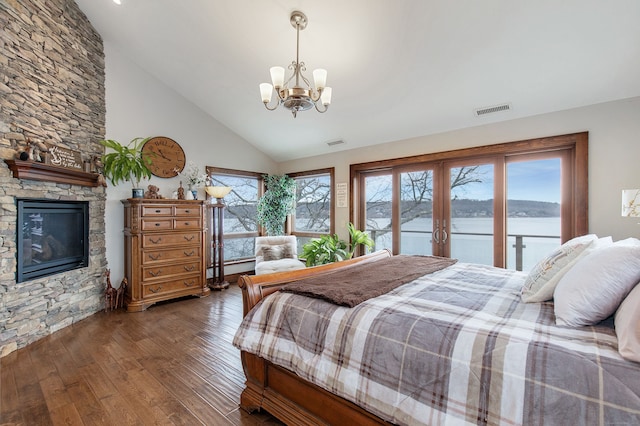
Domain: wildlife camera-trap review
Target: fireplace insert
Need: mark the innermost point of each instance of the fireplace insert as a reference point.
(52, 237)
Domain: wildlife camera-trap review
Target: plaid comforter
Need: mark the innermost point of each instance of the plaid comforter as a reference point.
(454, 347)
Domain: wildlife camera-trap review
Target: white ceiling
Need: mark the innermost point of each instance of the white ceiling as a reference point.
(399, 69)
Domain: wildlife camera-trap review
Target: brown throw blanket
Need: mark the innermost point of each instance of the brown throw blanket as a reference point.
(355, 284)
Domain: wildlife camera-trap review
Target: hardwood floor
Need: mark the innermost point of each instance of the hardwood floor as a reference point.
(172, 364)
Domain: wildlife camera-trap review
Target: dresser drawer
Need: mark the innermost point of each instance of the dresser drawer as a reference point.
(157, 211)
(183, 284)
(194, 223)
(157, 225)
(170, 239)
(187, 211)
(185, 254)
(156, 272)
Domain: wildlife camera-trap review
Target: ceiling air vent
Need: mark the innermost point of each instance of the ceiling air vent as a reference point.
(338, 142)
(492, 109)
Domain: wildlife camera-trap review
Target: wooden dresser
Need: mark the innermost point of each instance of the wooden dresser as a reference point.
(164, 250)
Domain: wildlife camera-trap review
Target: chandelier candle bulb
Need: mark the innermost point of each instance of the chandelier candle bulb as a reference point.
(326, 96)
(266, 90)
(320, 78)
(277, 77)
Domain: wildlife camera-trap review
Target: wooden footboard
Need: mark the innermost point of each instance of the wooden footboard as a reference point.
(281, 392)
(256, 287)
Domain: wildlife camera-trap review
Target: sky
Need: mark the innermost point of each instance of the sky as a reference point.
(526, 180)
(537, 180)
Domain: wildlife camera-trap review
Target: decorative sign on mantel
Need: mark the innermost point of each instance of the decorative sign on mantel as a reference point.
(63, 157)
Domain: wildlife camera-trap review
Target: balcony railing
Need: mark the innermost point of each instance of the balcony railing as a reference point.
(524, 250)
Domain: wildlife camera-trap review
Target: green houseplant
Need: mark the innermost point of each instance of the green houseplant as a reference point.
(126, 163)
(277, 202)
(330, 248)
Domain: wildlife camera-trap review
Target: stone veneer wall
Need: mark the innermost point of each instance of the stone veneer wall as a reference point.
(51, 89)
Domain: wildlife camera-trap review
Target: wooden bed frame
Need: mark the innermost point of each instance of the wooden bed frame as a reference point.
(281, 392)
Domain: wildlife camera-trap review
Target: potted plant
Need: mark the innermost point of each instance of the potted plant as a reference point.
(277, 202)
(126, 163)
(330, 248)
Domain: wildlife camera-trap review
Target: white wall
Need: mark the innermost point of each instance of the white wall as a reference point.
(614, 149)
(139, 105)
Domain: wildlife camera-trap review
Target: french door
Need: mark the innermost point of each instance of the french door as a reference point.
(441, 209)
(505, 209)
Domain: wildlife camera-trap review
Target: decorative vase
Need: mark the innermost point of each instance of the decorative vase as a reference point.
(195, 194)
(188, 195)
(137, 193)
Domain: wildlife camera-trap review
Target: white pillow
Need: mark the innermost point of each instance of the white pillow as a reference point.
(543, 278)
(627, 322)
(595, 286)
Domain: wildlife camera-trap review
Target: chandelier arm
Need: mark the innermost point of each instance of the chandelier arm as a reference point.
(277, 104)
(315, 94)
(294, 68)
(321, 111)
(281, 94)
(303, 68)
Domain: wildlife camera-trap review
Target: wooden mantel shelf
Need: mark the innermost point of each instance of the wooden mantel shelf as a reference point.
(40, 171)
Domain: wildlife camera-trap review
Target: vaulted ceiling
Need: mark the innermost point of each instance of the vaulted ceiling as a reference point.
(399, 69)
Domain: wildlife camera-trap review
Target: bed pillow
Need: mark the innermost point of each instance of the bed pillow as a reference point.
(627, 323)
(595, 286)
(276, 252)
(543, 278)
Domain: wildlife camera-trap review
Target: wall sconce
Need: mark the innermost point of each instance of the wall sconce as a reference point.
(631, 202)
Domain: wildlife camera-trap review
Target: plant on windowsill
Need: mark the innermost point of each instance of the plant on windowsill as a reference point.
(330, 248)
(126, 164)
(276, 204)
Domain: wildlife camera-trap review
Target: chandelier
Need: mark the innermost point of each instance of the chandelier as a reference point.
(298, 97)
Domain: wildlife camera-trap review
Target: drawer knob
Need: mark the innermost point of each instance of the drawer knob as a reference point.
(155, 241)
(189, 268)
(158, 211)
(155, 274)
(152, 290)
(191, 253)
(186, 224)
(187, 211)
(155, 257)
(189, 237)
(189, 283)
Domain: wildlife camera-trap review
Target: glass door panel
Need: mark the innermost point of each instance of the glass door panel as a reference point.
(416, 212)
(378, 191)
(533, 211)
(470, 234)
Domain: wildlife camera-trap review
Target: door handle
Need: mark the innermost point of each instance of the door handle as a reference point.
(445, 236)
(436, 232)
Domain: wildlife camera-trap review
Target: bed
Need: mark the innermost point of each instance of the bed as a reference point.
(454, 346)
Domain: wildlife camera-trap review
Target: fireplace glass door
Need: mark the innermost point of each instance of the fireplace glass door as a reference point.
(52, 237)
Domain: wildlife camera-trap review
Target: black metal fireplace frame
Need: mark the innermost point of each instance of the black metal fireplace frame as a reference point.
(30, 205)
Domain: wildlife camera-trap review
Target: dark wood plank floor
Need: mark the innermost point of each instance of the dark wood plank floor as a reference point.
(170, 365)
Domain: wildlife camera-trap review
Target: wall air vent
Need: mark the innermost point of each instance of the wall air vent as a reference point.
(338, 142)
(490, 110)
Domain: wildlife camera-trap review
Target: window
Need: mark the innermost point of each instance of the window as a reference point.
(313, 215)
(240, 225)
(501, 204)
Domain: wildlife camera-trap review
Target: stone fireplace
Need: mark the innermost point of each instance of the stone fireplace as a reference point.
(51, 90)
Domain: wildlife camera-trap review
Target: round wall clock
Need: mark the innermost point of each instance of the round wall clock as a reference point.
(166, 156)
